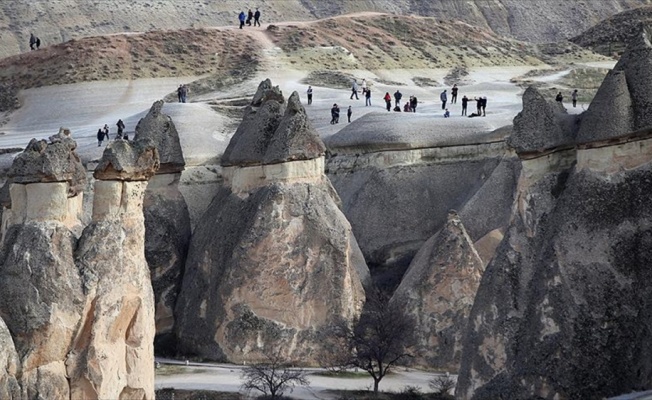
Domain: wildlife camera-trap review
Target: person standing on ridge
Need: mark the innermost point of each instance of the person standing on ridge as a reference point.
(309, 95)
(397, 98)
(250, 16)
(257, 17)
(444, 98)
(354, 90)
(388, 101)
(32, 41)
(465, 103)
(242, 18)
(367, 96)
(454, 94)
(100, 137)
(574, 98)
(349, 112)
(121, 127)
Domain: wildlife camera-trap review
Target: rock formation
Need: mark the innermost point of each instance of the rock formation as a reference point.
(563, 309)
(113, 352)
(273, 261)
(438, 290)
(167, 221)
(78, 310)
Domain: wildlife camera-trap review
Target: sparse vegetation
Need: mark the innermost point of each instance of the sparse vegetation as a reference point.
(177, 394)
(331, 79)
(273, 378)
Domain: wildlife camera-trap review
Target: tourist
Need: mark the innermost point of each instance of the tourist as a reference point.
(559, 98)
(309, 95)
(406, 107)
(250, 16)
(364, 85)
(397, 98)
(100, 137)
(335, 114)
(184, 93)
(413, 104)
(465, 103)
(454, 94)
(257, 17)
(121, 127)
(242, 18)
(354, 90)
(483, 106)
(179, 89)
(478, 102)
(447, 114)
(574, 98)
(388, 101)
(349, 112)
(443, 97)
(32, 41)
(38, 43)
(367, 97)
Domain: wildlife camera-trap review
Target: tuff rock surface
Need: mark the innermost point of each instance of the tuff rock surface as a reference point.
(438, 290)
(167, 221)
(77, 310)
(273, 261)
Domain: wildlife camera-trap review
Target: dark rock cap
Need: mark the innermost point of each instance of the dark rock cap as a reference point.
(262, 117)
(541, 125)
(128, 161)
(159, 128)
(53, 161)
(610, 113)
(295, 138)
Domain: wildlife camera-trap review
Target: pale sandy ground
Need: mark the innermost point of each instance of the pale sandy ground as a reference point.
(226, 378)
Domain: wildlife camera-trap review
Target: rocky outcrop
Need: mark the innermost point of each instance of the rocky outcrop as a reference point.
(79, 310)
(438, 291)
(562, 311)
(167, 221)
(113, 352)
(273, 261)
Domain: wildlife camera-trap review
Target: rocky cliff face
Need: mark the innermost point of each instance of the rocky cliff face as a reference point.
(563, 310)
(167, 221)
(76, 308)
(438, 290)
(545, 20)
(273, 260)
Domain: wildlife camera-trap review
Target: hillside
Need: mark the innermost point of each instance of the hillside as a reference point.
(611, 35)
(62, 20)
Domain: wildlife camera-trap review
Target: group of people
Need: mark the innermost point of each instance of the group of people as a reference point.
(182, 93)
(103, 133)
(34, 42)
(335, 114)
(246, 18)
(560, 98)
(409, 106)
(481, 103)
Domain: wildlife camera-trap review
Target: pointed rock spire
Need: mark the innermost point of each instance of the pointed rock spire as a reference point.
(159, 128)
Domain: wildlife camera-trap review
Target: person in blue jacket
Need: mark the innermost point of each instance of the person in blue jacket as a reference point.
(242, 17)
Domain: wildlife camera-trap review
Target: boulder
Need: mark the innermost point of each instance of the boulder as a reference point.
(438, 290)
(53, 161)
(9, 366)
(160, 129)
(541, 125)
(125, 160)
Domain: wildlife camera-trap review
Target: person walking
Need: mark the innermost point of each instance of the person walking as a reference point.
(478, 104)
(335, 114)
(413, 104)
(179, 89)
(32, 41)
(38, 43)
(574, 98)
(367, 96)
(465, 103)
(309, 95)
(184, 93)
(349, 112)
(250, 16)
(388, 101)
(257, 17)
(121, 127)
(559, 98)
(242, 18)
(454, 94)
(484, 106)
(397, 98)
(444, 98)
(100, 137)
(354, 90)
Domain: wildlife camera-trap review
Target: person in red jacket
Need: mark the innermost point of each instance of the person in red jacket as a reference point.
(388, 101)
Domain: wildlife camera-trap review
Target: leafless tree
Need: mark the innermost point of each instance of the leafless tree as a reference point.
(273, 377)
(380, 338)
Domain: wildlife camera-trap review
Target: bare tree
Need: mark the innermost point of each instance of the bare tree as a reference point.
(273, 377)
(380, 338)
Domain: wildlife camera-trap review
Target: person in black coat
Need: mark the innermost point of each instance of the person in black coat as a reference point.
(257, 17)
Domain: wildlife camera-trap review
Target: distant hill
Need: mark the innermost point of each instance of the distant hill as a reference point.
(611, 36)
(62, 20)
